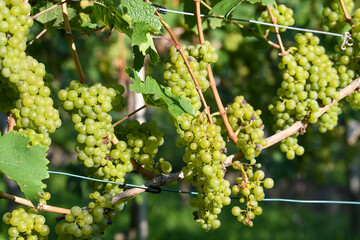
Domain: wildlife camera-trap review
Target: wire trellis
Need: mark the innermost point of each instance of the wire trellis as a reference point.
(153, 189)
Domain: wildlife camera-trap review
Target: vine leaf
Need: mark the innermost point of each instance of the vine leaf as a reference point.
(135, 18)
(157, 95)
(27, 166)
(222, 8)
(78, 17)
(263, 2)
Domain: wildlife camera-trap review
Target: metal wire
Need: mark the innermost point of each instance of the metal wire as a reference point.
(196, 193)
(165, 10)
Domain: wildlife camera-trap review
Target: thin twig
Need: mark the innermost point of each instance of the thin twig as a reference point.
(40, 206)
(346, 14)
(131, 114)
(88, 32)
(198, 88)
(38, 36)
(213, 87)
(71, 43)
(273, 19)
(161, 37)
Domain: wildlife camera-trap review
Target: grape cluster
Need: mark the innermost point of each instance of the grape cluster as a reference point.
(89, 223)
(283, 15)
(144, 141)
(23, 79)
(204, 157)
(26, 224)
(89, 107)
(177, 76)
(310, 82)
(248, 127)
(334, 18)
(249, 187)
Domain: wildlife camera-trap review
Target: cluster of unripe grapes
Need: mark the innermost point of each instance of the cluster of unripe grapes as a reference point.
(144, 141)
(89, 223)
(26, 223)
(283, 15)
(22, 78)
(310, 82)
(249, 187)
(89, 108)
(334, 17)
(204, 157)
(177, 76)
(248, 127)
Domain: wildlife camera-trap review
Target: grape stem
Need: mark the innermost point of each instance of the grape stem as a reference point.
(273, 19)
(88, 32)
(128, 116)
(214, 90)
(165, 38)
(346, 14)
(259, 36)
(71, 42)
(197, 86)
(40, 206)
(38, 36)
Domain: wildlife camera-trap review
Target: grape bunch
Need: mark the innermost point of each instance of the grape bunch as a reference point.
(26, 224)
(249, 187)
(89, 223)
(283, 15)
(144, 141)
(310, 82)
(23, 79)
(248, 127)
(204, 158)
(89, 107)
(177, 76)
(334, 18)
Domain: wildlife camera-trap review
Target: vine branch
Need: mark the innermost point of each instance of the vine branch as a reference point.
(49, 9)
(213, 87)
(40, 206)
(71, 42)
(198, 88)
(346, 14)
(273, 19)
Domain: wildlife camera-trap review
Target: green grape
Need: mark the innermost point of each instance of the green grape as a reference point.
(282, 14)
(26, 224)
(310, 81)
(22, 78)
(177, 76)
(333, 15)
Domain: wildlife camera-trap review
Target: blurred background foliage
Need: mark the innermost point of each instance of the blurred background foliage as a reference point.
(329, 169)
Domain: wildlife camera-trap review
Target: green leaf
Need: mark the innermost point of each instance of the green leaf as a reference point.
(78, 17)
(157, 95)
(222, 8)
(27, 166)
(135, 18)
(262, 2)
(190, 21)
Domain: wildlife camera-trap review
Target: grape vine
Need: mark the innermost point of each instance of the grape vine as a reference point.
(313, 83)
